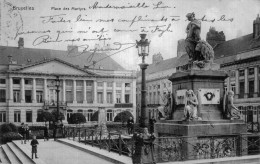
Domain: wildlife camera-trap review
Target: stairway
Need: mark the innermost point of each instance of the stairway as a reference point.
(10, 153)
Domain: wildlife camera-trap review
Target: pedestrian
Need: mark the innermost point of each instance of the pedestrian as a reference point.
(23, 137)
(27, 133)
(34, 144)
(46, 133)
(151, 123)
(130, 125)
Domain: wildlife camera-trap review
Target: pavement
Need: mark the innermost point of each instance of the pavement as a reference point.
(53, 152)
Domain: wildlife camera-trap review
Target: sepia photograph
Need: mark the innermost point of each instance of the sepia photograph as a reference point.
(129, 82)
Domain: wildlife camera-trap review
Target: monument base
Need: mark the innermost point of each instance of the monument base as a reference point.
(204, 139)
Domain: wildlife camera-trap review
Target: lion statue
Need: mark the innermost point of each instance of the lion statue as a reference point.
(206, 50)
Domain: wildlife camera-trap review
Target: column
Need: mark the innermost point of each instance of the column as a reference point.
(114, 92)
(45, 90)
(123, 93)
(95, 93)
(74, 92)
(11, 89)
(34, 91)
(84, 92)
(22, 91)
(228, 84)
(104, 92)
(64, 90)
(256, 92)
(246, 83)
(237, 83)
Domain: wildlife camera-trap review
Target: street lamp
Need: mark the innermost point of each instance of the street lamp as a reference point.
(143, 50)
(57, 84)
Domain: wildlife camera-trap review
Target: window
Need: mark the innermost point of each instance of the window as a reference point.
(39, 96)
(2, 81)
(241, 89)
(28, 96)
(79, 83)
(69, 83)
(110, 84)
(89, 114)
(80, 111)
(251, 88)
(69, 113)
(79, 96)
(164, 85)
(127, 98)
(118, 84)
(241, 72)
(109, 115)
(109, 98)
(100, 97)
(16, 81)
(158, 86)
(16, 96)
(89, 97)
(2, 95)
(100, 84)
(251, 71)
(17, 116)
(233, 74)
(69, 97)
(127, 85)
(39, 82)
(154, 97)
(154, 87)
(118, 96)
(233, 88)
(2, 116)
(28, 81)
(89, 83)
(28, 116)
(150, 98)
(39, 111)
(158, 97)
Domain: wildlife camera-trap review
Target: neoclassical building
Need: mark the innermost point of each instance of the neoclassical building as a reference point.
(27, 86)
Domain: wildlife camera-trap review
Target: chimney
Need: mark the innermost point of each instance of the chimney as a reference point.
(181, 48)
(20, 43)
(157, 58)
(214, 37)
(256, 27)
(72, 49)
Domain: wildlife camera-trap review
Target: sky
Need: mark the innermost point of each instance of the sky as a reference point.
(34, 20)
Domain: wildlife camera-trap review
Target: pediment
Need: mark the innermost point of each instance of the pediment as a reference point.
(54, 67)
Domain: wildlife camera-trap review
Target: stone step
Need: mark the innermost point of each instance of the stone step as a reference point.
(20, 154)
(10, 155)
(27, 152)
(3, 157)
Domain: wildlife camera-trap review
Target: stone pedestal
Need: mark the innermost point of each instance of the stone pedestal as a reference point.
(197, 80)
(211, 136)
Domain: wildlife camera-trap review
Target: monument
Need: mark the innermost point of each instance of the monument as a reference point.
(198, 112)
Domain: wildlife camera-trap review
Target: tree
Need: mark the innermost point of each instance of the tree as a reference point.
(61, 115)
(77, 118)
(123, 116)
(45, 116)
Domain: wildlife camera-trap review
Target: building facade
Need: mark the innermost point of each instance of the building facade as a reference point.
(26, 90)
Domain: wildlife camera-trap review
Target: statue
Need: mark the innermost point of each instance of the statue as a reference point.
(230, 110)
(199, 51)
(191, 103)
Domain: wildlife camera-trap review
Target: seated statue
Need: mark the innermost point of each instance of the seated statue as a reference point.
(230, 110)
(191, 103)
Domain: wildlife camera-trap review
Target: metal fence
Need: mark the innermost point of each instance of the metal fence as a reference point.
(169, 149)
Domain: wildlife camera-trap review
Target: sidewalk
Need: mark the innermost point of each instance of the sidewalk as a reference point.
(53, 152)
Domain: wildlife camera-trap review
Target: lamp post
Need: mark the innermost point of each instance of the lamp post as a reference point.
(57, 84)
(143, 50)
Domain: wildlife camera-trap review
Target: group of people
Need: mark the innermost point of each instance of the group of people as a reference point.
(130, 125)
(25, 134)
